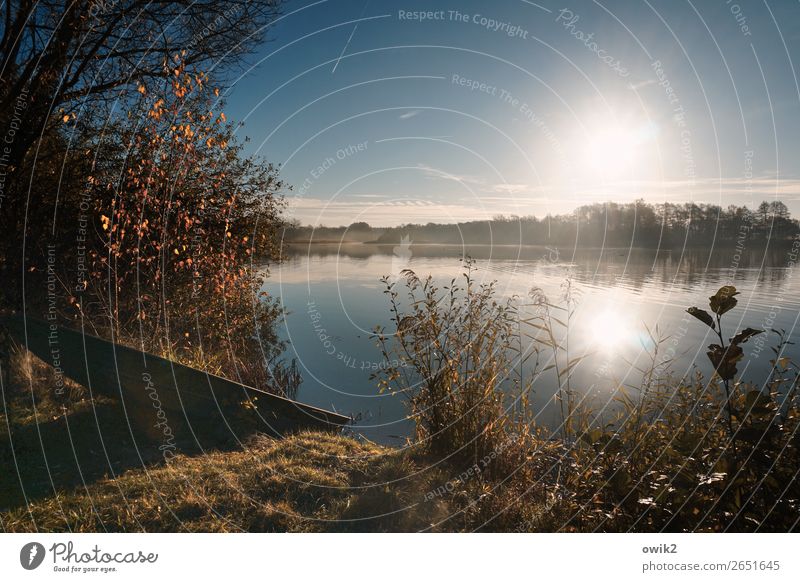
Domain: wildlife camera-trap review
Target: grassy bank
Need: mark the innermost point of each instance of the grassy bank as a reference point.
(76, 465)
(310, 482)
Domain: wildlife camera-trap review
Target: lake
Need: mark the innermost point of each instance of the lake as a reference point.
(335, 299)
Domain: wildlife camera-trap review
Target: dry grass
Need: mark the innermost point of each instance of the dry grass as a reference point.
(308, 482)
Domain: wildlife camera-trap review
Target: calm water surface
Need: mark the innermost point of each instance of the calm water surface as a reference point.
(335, 299)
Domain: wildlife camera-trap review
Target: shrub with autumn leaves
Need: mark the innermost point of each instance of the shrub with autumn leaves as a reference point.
(162, 239)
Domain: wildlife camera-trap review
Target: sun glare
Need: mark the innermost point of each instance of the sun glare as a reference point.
(613, 149)
(610, 330)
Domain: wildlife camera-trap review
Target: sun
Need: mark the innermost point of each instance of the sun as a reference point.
(613, 149)
(610, 151)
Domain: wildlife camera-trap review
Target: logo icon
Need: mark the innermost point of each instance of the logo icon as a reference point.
(31, 555)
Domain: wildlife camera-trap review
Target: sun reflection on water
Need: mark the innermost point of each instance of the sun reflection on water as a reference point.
(611, 330)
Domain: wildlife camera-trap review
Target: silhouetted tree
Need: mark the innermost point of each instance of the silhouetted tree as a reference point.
(612, 224)
(59, 56)
(70, 67)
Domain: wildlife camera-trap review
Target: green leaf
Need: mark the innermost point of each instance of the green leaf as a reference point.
(723, 300)
(702, 315)
(745, 335)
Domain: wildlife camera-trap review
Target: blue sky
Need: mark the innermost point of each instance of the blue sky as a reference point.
(515, 107)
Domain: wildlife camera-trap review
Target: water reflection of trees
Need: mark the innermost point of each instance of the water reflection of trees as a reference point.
(635, 267)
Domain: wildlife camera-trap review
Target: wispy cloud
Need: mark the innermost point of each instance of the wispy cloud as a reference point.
(460, 178)
(512, 200)
(410, 114)
(510, 188)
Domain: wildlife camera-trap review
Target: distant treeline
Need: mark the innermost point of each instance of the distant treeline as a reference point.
(602, 224)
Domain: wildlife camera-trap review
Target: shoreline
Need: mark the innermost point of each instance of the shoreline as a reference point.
(732, 245)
